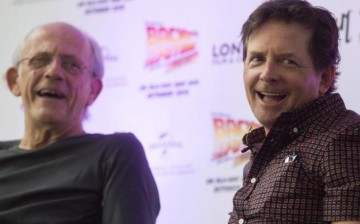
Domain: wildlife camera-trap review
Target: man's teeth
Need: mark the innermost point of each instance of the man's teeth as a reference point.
(50, 93)
(271, 94)
(271, 97)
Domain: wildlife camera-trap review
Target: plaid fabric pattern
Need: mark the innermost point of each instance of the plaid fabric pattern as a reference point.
(306, 170)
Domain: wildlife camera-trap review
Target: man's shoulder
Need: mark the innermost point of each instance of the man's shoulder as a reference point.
(116, 142)
(115, 138)
(348, 120)
(353, 117)
(9, 144)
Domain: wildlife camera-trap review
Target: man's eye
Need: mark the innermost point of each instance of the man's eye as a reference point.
(289, 62)
(38, 62)
(255, 60)
(72, 67)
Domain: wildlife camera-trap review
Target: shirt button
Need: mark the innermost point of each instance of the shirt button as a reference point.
(295, 130)
(241, 221)
(253, 180)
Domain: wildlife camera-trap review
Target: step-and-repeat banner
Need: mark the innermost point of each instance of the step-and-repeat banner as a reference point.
(174, 78)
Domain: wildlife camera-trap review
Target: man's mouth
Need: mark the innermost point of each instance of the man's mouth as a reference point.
(50, 93)
(270, 97)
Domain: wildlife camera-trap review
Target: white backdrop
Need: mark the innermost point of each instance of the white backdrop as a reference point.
(174, 78)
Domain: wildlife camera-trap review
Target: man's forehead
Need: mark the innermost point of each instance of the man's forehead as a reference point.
(56, 29)
(61, 39)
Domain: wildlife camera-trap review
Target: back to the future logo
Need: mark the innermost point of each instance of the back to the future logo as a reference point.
(170, 47)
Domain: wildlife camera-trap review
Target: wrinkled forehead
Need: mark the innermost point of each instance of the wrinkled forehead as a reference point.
(57, 39)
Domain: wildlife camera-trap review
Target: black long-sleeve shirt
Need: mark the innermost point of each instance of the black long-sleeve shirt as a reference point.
(89, 179)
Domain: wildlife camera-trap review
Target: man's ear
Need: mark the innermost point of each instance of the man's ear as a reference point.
(327, 78)
(96, 87)
(11, 78)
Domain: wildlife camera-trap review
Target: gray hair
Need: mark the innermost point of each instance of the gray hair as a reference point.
(98, 62)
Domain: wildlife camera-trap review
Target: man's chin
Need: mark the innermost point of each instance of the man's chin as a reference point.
(49, 117)
(267, 121)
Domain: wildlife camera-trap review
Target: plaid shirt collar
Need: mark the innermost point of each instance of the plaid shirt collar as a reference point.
(299, 119)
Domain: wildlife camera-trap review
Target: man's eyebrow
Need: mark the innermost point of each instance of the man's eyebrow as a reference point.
(40, 53)
(68, 56)
(255, 53)
(278, 55)
(62, 55)
(285, 55)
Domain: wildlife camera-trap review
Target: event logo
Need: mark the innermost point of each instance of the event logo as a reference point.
(169, 47)
(228, 138)
(227, 53)
(101, 6)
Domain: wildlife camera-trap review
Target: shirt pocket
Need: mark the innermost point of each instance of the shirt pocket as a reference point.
(283, 190)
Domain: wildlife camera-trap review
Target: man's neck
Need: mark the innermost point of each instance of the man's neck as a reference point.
(36, 137)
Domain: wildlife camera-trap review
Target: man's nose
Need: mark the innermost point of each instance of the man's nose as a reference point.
(54, 69)
(270, 73)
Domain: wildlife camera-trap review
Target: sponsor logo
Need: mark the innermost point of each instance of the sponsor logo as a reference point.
(165, 144)
(167, 155)
(112, 81)
(169, 47)
(228, 139)
(227, 53)
(344, 26)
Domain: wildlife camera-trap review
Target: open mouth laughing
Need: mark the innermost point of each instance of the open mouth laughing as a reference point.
(50, 94)
(268, 97)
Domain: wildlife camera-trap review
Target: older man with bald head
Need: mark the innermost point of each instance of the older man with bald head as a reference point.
(58, 173)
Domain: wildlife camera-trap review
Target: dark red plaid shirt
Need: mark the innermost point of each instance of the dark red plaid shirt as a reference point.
(306, 170)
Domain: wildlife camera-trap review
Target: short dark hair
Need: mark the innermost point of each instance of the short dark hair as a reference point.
(323, 47)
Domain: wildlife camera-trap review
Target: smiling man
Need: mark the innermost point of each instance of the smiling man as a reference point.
(305, 164)
(57, 173)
